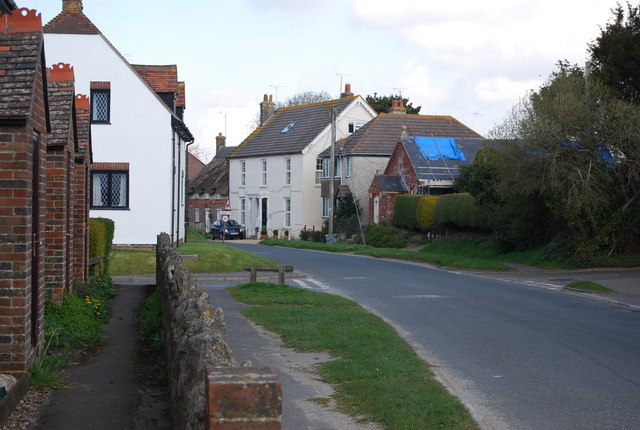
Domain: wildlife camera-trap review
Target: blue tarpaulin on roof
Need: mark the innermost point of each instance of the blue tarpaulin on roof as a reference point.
(433, 148)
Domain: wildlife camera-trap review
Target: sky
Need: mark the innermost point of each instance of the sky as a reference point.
(473, 60)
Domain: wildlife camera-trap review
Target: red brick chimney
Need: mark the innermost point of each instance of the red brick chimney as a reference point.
(21, 21)
(267, 109)
(347, 91)
(397, 107)
(72, 6)
(221, 141)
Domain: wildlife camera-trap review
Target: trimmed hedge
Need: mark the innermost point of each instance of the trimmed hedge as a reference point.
(101, 232)
(425, 212)
(461, 210)
(405, 208)
(384, 236)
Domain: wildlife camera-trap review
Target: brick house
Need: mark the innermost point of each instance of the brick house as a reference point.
(81, 187)
(366, 152)
(419, 165)
(209, 191)
(24, 124)
(138, 135)
(62, 145)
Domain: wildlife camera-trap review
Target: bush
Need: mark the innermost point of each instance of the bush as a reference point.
(317, 236)
(101, 231)
(461, 210)
(304, 235)
(385, 236)
(425, 212)
(405, 208)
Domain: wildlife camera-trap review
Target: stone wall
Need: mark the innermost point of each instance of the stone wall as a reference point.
(194, 337)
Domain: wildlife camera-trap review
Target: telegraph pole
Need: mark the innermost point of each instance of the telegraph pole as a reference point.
(331, 169)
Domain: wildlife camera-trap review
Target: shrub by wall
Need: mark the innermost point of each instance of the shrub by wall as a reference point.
(384, 236)
(405, 212)
(425, 212)
(461, 210)
(101, 232)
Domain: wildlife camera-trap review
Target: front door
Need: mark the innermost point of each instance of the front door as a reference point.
(264, 213)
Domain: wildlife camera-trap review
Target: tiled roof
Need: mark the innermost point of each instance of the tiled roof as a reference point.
(20, 55)
(225, 151)
(71, 21)
(291, 129)
(163, 79)
(380, 135)
(443, 168)
(61, 99)
(213, 179)
(391, 183)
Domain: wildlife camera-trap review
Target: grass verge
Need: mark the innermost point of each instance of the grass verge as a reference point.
(213, 257)
(375, 372)
(70, 326)
(440, 256)
(592, 287)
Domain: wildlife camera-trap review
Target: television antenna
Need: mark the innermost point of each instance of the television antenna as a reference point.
(341, 76)
(276, 87)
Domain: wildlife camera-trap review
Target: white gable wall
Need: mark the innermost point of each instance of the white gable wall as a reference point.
(140, 134)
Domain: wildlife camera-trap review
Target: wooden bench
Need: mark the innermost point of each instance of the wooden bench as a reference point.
(255, 268)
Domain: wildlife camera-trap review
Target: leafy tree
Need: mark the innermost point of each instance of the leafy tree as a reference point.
(382, 104)
(615, 54)
(346, 219)
(576, 152)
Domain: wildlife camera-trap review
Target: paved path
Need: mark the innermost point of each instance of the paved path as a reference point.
(106, 393)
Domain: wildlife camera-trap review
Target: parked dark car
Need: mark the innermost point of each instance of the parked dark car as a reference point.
(233, 230)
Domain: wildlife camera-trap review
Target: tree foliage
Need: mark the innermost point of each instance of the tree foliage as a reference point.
(382, 104)
(615, 54)
(572, 166)
(306, 97)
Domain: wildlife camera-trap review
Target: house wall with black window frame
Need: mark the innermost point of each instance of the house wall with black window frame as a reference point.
(130, 125)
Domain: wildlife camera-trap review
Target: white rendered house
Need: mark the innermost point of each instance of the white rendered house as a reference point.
(139, 138)
(275, 173)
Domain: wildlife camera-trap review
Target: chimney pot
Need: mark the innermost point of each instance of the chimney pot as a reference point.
(72, 5)
(347, 91)
(270, 98)
(266, 98)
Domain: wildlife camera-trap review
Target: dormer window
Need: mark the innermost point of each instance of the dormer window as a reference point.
(288, 127)
(354, 126)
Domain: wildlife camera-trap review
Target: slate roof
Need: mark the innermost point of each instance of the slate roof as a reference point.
(380, 135)
(61, 112)
(441, 169)
(71, 21)
(391, 183)
(20, 56)
(214, 178)
(163, 79)
(303, 124)
(7, 5)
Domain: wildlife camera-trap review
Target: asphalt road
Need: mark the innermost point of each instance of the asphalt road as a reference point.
(519, 356)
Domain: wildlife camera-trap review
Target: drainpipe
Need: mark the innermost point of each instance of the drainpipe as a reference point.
(180, 197)
(186, 203)
(173, 180)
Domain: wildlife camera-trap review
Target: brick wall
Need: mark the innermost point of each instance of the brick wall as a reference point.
(400, 165)
(202, 204)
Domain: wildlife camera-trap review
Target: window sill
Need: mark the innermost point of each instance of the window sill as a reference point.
(100, 123)
(103, 208)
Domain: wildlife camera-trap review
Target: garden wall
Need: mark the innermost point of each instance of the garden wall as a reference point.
(198, 358)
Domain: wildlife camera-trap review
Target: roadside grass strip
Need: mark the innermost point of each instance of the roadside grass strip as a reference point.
(440, 257)
(589, 286)
(375, 373)
(213, 257)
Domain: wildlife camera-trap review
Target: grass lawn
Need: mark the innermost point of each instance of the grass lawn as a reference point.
(375, 372)
(213, 257)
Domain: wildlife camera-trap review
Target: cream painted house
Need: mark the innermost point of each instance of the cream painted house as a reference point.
(275, 173)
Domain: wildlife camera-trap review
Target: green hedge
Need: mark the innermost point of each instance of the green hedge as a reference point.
(405, 208)
(461, 210)
(384, 236)
(101, 232)
(425, 212)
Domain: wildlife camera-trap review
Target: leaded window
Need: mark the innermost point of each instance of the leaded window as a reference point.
(110, 190)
